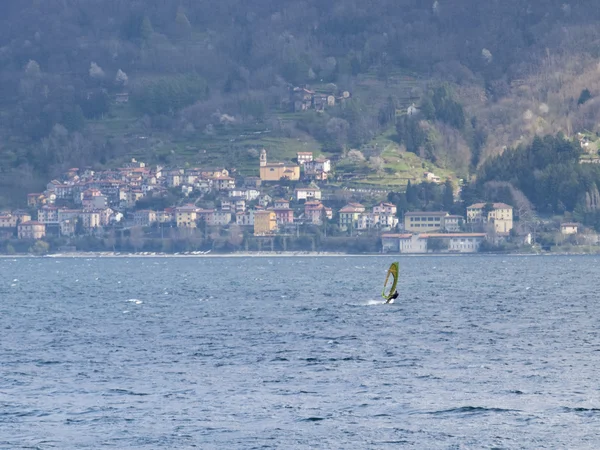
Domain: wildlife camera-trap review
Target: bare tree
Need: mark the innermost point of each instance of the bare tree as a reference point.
(338, 129)
(96, 71)
(136, 237)
(236, 236)
(121, 79)
(376, 163)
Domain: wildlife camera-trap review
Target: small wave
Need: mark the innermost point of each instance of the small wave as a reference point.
(125, 392)
(584, 410)
(471, 410)
(47, 363)
(310, 359)
(312, 419)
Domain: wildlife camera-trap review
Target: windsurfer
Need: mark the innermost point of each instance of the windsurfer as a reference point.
(394, 296)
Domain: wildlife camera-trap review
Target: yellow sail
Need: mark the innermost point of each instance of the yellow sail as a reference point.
(392, 272)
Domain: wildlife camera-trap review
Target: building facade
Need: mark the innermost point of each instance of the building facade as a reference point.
(423, 222)
(308, 194)
(31, 230)
(500, 215)
(438, 242)
(349, 215)
(265, 222)
(277, 171)
(186, 216)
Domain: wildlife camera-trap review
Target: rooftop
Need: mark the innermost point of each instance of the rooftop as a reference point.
(32, 222)
(494, 205)
(426, 213)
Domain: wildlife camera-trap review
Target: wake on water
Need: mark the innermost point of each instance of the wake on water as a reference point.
(377, 302)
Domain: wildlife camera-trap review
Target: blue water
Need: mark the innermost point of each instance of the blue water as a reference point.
(242, 353)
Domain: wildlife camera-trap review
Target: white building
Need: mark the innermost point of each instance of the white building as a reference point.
(308, 193)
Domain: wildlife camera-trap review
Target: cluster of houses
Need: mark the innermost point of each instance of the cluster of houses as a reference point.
(426, 231)
(304, 99)
(87, 201)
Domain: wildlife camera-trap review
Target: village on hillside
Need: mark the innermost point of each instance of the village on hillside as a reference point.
(284, 198)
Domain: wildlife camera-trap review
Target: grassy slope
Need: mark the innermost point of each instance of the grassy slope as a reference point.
(399, 165)
(229, 145)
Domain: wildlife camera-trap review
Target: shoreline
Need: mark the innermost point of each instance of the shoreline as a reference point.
(277, 255)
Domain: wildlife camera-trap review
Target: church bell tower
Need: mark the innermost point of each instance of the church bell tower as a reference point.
(263, 158)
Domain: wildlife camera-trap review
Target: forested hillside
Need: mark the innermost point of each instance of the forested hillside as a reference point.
(208, 81)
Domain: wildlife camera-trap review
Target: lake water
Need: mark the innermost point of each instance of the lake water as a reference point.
(299, 352)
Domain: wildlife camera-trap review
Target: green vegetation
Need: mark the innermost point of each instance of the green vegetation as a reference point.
(207, 82)
(548, 173)
(426, 197)
(169, 94)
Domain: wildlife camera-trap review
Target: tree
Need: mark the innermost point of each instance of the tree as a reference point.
(39, 248)
(182, 22)
(236, 237)
(110, 241)
(79, 228)
(584, 96)
(121, 79)
(448, 198)
(136, 238)
(377, 163)
(338, 129)
(411, 132)
(486, 210)
(146, 29)
(96, 71)
(411, 194)
(169, 94)
(95, 104)
(32, 69)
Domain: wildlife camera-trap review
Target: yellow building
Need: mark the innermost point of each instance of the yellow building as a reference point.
(31, 230)
(90, 219)
(498, 214)
(186, 216)
(11, 220)
(265, 222)
(349, 215)
(277, 171)
(569, 228)
(422, 221)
